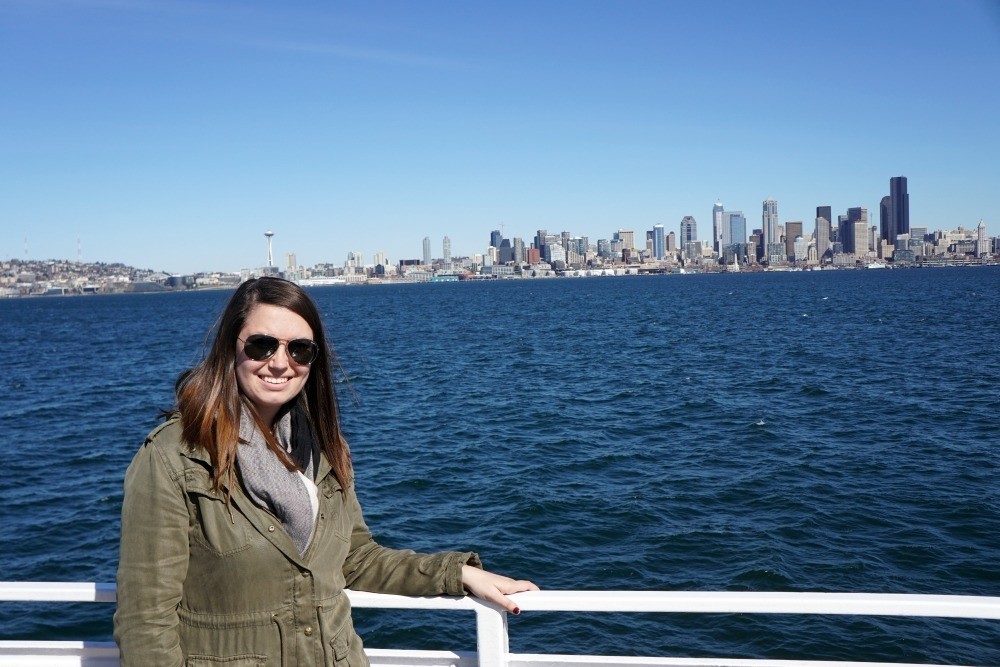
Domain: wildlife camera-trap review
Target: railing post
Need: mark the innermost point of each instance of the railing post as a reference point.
(491, 636)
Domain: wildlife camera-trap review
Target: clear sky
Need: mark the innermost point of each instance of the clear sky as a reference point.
(171, 134)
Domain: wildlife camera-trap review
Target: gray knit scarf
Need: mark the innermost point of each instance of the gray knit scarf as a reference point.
(270, 484)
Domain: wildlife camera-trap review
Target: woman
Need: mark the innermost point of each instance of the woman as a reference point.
(240, 524)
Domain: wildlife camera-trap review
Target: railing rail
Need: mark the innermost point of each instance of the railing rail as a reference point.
(491, 622)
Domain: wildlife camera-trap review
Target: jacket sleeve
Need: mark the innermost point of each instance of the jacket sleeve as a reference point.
(372, 567)
(152, 564)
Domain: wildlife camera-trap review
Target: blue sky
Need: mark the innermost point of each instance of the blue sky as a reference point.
(171, 134)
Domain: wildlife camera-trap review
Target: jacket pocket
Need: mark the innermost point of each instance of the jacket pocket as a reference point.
(219, 529)
(249, 660)
(341, 644)
(232, 640)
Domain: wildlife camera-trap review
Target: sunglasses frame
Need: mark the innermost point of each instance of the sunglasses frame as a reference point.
(273, 343)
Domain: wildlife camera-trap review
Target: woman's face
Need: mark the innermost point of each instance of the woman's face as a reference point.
(271, 383)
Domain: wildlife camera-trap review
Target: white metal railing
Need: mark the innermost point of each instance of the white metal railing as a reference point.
(491, 622)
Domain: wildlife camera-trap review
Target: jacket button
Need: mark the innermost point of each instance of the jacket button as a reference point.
(308, 631)
(306, 574)
(270, 529)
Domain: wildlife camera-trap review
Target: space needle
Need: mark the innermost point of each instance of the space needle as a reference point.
(270, 257)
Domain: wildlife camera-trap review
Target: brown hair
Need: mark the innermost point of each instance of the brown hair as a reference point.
(209, 399)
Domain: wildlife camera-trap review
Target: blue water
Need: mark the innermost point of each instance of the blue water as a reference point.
(827, 431)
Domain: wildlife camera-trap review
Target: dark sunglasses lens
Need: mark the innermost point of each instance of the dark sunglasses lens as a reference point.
(303, 351)
(260, 347)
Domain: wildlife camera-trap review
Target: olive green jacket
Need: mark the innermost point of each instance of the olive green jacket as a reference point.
(203, 583)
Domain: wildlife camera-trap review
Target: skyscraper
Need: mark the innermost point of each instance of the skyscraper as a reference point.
(518, 249)
(734, 229)
(793, 230)
(689, 230)
(899, 211)
(823, 219)
(854, 231)
(627, 237)
(717, 211)
(495, 238)
(446, 247)
(427, 251)
(659, 245)
(773, 250)
(886, 232)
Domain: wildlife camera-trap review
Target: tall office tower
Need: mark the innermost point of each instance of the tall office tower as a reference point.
(604, 248)
(446, 248)
(659, 246)
(565, 241)
(495, 238)
(540, 237)
(671, 243)
(824, 216)
(505, 252)
(756, 250)
(899, 208)
(857, 229)
(519, 255)
(689, 230)
(793, 230)
(427, 251)
(627, 237)
(886, 232)
(734, 229)
(774, 249)
(982, 243)
(842, 233)
(717, 212)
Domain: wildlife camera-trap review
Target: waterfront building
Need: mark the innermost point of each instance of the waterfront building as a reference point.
(822, 235)
(717, 212)
(659, 245)
(427, 251)
(689, 231)
(793, 231)
(899, 207)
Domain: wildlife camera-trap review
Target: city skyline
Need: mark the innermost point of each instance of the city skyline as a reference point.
(365, 128)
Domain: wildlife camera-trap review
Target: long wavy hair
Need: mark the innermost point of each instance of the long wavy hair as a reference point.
(209, 400)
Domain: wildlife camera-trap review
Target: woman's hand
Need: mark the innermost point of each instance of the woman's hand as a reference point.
(494, 587)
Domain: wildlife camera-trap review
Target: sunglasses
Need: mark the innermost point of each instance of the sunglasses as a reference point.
(259, 347)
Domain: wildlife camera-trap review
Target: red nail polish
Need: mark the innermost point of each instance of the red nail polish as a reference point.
(517, 610)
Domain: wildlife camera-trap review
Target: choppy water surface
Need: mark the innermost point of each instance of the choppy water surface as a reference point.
(833, 431)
